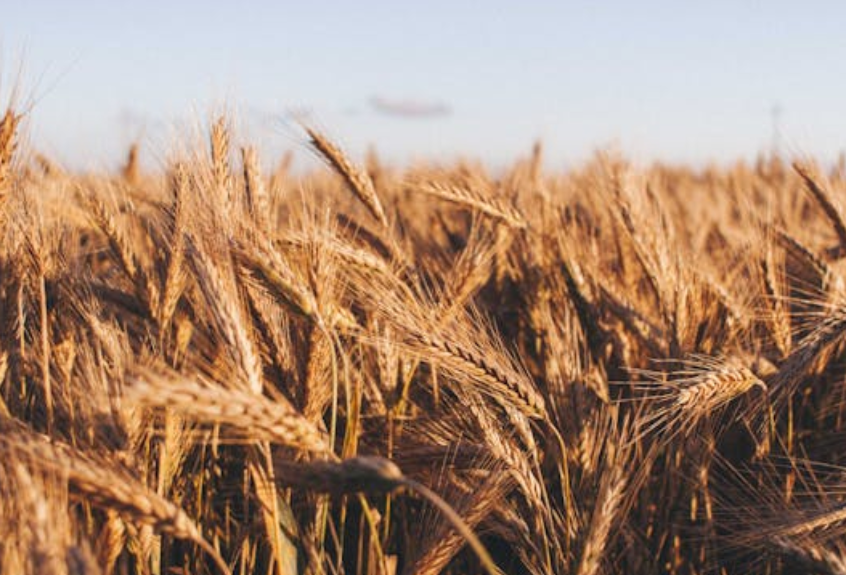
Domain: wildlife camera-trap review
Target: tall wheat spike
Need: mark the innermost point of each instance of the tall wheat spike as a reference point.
(8, 142)
(356, 178)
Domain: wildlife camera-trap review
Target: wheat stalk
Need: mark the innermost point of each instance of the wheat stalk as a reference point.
(8, 142)
(256, 417)
(474, 200)
(356, 178)
(826, 202)
(103, 484)
(371, 474)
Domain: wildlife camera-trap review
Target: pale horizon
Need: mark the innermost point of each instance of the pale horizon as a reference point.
(655, 81)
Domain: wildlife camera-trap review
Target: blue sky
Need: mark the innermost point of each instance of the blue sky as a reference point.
(670, 80)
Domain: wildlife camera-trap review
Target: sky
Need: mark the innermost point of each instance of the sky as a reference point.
(675, 81)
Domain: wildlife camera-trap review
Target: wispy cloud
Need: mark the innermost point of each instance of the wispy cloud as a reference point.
(409, 108)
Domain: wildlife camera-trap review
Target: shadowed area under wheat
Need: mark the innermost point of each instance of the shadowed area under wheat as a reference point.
(373, 370)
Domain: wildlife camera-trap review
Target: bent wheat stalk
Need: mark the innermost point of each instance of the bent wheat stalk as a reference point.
(373, 474)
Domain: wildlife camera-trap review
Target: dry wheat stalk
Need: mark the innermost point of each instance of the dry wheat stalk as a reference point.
(811, 557)
(41, 507)
(130, 171)
(175, 274)
(822, 521)
(8, 130)
(261, 259)
(818, 270)
(106, 485)
(713, 389)
(118, 240)
(827, 333)
(688, 396)
(826, 202)
(254, 416)
(605, 512)
(517, 463)
(221, 172)
(356, 178)
(775, 282)
(474, 200)
(493, 378)
(258, 202)
(441, 543)
(218, 284)
(371, 474)
(111, 541)
(363, 259)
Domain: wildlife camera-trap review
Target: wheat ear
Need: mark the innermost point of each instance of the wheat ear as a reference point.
(356, 178)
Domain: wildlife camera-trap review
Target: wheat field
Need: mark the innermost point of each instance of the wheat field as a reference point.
(370, 369)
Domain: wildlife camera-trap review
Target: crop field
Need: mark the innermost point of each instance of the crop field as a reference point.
(370, 368)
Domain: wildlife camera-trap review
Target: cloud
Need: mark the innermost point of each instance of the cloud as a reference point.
(409, 108)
